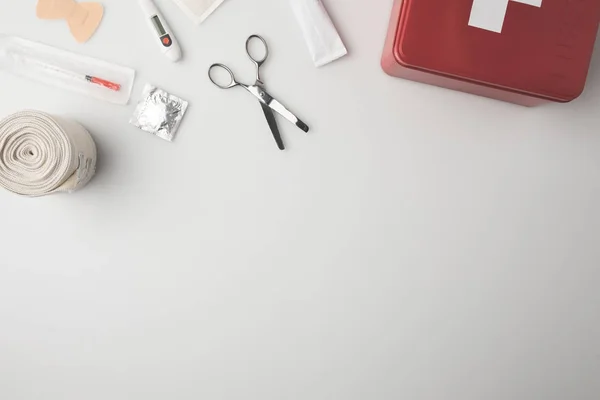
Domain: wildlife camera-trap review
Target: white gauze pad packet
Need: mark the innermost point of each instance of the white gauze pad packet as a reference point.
(323, 40)
(198, 10)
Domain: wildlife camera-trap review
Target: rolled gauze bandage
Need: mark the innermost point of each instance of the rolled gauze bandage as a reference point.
(41, 154)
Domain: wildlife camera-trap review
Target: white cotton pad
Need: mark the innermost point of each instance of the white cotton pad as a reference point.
(198, 10)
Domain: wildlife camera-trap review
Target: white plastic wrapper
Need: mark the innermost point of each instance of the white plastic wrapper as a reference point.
(65, 70)
(159, 113)
(323, 40)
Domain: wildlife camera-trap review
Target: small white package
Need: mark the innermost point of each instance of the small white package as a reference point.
(159, 113)
(198, 10)
(323, 40)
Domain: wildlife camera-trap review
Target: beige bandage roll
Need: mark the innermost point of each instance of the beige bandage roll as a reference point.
(42, 154)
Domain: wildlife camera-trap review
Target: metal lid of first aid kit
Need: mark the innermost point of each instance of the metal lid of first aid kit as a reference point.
(538, 48)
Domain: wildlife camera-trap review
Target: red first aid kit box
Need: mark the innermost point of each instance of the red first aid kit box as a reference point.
(527, 52)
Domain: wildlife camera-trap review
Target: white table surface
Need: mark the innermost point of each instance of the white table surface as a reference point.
(417, 244)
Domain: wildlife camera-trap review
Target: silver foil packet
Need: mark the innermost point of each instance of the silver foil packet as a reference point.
(159, 112)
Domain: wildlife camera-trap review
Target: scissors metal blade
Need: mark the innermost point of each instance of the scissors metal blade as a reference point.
(267, 99)
(287, 114)
(273, 125)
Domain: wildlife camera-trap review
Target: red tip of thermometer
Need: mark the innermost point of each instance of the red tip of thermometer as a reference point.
(107, 84)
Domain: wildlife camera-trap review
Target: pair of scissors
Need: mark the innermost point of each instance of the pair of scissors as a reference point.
(267, 102)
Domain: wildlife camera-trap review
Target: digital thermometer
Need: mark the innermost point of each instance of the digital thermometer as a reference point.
(161, 31)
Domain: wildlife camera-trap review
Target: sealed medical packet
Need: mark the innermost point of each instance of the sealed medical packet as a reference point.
(159, 113)
(322, 39)
(66, 70)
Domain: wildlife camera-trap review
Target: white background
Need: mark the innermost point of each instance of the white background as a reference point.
(417, 244)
